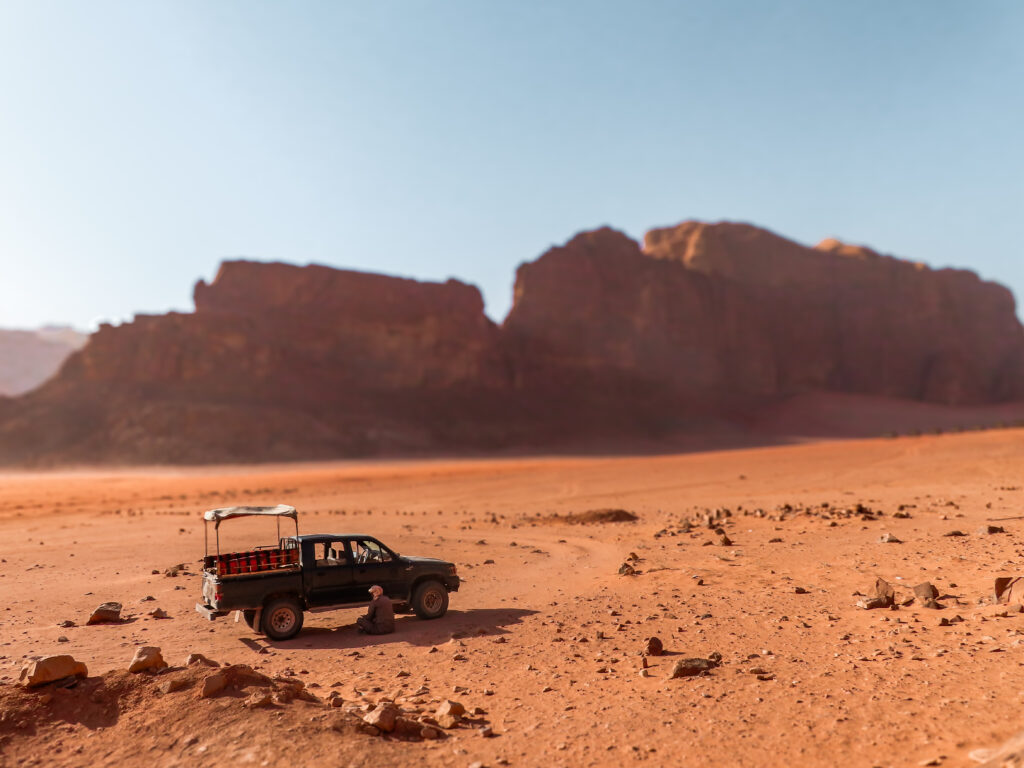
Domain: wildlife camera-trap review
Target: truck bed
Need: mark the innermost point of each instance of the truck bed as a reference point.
(261, 560)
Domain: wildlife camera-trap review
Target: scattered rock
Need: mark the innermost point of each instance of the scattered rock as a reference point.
(693, 667)
(989, 529)
(67, 624)
(800, 590)
(147, 657)
(259, 700)
(198, 658)
(888, 538)
(383, 716)
(213, 685)
(627, 570)
(448, 707)
(106, 613)
(50, 669)
(926, 591)
(172, 684)
(654, 647)
(955, 533)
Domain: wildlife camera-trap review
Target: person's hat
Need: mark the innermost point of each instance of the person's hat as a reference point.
(378, 588)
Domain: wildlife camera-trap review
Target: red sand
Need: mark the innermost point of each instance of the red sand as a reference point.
(851, 687)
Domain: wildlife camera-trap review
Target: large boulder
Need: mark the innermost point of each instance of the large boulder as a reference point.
(51, 668)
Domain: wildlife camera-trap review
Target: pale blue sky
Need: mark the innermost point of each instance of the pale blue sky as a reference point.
(143, 142)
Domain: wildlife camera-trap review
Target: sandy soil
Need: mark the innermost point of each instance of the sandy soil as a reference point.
(547, 637)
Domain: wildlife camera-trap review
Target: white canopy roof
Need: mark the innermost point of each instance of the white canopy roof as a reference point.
(226, 513)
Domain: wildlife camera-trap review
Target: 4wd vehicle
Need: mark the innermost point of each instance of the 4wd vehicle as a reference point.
(272, 585)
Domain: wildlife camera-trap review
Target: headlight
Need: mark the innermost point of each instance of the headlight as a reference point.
(452, 570)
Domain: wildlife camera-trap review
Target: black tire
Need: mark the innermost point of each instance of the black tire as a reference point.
(430, 600)
(282, 619)
(250, 619)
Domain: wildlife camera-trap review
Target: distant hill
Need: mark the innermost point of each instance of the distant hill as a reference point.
(28, 358)
(706, 334)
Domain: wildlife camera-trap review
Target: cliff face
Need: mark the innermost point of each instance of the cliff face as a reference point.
(845, 318)
(606, 343)
(278, 362)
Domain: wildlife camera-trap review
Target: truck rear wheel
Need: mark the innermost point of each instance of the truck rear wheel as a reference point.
(430, 600)
(282, 619)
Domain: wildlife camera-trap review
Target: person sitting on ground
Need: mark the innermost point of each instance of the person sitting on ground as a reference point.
(380, 616)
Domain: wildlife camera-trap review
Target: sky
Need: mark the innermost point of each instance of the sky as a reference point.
(142, 143)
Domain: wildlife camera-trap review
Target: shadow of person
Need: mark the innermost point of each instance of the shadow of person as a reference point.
(475, 622)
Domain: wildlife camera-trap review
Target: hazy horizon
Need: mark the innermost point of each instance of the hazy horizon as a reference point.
(143, 144)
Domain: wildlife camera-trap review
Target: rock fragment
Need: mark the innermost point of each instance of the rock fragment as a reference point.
(198, 658)
(383, 716)
(654, 647)
(693, 667)
(990, 529)
(106, 613)
(147, 657)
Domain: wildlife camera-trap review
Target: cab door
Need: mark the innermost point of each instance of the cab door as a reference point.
(332, 575)
(373, 563)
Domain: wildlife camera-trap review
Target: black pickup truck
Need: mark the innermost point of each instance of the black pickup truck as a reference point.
(273, 585)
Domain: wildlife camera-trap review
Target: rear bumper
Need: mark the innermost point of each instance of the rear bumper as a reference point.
(209, 612)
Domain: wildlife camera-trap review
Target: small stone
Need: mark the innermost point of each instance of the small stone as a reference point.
(383, 716)
(213, 685)
(447, 721)
(800, 590)
(198, 658)
(988, 529)
(172, 684)
(888, 538)
(430, 732)
(63, 639)
(627, 570)
(448, 707)
(66, 624)
(654, 647)
(259, 700)
(159, 613)
(870, 603)
(147, 657)
(105, 613)
(926, 591)
(691, 668)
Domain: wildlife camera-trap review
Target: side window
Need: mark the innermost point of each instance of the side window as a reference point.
(320, 552)
(331, 553)
(366, 551)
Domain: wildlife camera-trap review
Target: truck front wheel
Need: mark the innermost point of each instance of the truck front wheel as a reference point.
(430, 600)
(282, 619)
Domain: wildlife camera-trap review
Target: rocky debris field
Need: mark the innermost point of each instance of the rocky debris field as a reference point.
(761, 607)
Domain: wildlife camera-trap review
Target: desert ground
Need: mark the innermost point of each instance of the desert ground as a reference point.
(544, 642)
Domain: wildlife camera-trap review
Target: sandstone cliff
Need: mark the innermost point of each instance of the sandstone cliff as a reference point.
(608, 346)
(847, 319)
